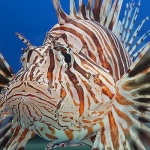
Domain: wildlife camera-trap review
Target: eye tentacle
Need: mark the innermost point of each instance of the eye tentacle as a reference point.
(25, 41)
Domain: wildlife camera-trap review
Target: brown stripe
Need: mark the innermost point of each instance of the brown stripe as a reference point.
(90, 131)
(30, 114)
(72, 31)
(86, 121)
(114, 131)
(51, 136)
(78, 88)
(121, 100)
(69, 134)
(71, 94)
(32, 73)
(41, 61)
(15, 134)
(63, 92)
(37, 89)
(52, 130)
(124, 55)
(80, 36)
(96, 27)
(38, 77)
(82, 9)
(89, 89)
(103, 138)
(109, 67)
(127, 119)
(96, 10)
(29, 55)
(97, 80)
(124, 116)
(91, 51)
(92, 35)
(51, 67)
(103, 60)
(80, 70)
(23, 135)
(89, 103)
(113, 39)
(62, 14)
(81, 98)
(107, 92)
(60, 73)
(86, 60)
(18, 86)
(72, 77)
(35, 59)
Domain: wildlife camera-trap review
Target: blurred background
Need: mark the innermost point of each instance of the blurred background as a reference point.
(33, 18)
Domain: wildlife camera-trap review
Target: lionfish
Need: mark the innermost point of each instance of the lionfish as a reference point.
(89, 83)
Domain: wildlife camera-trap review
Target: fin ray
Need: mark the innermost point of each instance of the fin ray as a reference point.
(6, 75)
(62, 16)
(134, 87)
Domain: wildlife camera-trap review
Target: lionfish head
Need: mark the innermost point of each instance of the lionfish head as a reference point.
(35, 89)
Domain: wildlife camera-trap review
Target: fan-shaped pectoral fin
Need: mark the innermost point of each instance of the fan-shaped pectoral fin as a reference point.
(19, 139)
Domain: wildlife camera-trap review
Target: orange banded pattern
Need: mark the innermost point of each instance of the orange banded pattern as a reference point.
(81, 86)
(100, 44)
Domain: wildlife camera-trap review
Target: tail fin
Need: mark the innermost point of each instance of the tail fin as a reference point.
(6, 75)
(132, 104)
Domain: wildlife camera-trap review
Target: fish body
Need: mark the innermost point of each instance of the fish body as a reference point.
(82, 86)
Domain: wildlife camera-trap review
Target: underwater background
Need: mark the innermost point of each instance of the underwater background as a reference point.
(33, 18)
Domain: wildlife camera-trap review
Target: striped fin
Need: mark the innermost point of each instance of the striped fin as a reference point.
(128, 33)
(18, 139)
(127, 124)
(134, 102)
(105, 12)
(6, 72)
(5, 129)
(73, 11)
(6, 75)
(62, 16)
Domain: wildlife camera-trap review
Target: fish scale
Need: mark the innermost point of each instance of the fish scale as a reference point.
(81, 86)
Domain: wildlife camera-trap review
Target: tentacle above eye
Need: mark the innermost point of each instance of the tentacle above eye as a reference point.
(25, 41)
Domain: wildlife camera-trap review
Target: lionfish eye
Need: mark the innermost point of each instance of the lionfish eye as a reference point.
(67, 58)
